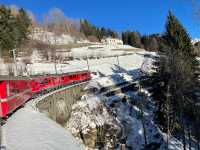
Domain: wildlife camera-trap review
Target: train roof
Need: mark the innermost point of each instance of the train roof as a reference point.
(2, 77)
(5, 77)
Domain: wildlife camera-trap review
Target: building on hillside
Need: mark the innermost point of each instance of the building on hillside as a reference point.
(112, 41)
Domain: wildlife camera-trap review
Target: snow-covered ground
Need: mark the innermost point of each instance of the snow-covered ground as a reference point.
(28, 129)
(128, 114)
(104, 66)
(101, 50)
(103, 59)
(94, 112)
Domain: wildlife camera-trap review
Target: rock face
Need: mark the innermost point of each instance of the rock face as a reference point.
(61, 109)
(91, 122)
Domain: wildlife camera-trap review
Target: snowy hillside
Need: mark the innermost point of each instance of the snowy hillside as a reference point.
(103, 59)
(52, 38)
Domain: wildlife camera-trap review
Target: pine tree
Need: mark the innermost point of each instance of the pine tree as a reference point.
(23, 23)
(125, 37)
(176, 68)
(90, 30)
(134, 39)
(13, 29)
(7, 36)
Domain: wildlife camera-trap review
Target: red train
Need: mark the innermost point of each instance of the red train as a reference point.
(14, 92)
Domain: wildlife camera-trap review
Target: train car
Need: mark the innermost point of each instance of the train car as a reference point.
(41, 83)
(14, 92)
(75, 77)
(48, 82)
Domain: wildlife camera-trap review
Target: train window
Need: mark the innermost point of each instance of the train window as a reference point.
(15, 91)
(7, 89)
(45, 81)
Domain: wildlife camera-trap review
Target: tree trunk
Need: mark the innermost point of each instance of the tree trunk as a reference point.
(144, 131)
(184, 142)
(168, 123)
(183, 131)
(181, 103)
(189, 136)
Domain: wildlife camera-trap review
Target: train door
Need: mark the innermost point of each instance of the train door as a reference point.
(78, 76)
(66, 79)
(2, 89)
(3, 106)
(84, 76)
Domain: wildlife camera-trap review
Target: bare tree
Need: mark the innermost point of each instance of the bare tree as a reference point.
(14, 9)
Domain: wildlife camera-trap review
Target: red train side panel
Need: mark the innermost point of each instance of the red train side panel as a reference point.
(3, 93)
(43, 83)
(14, 93)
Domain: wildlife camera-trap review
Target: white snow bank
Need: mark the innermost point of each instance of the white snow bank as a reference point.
(30, 130)
(110, 81)
(100, 50)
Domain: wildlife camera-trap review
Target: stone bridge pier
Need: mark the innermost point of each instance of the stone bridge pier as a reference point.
(58, 105)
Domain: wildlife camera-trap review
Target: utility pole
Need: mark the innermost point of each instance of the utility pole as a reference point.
(118, 60)
(88, 64)
(14, 61)
(55, 65)
(0, 53)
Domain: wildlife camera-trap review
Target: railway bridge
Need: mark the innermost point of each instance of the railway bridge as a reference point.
(58, 106)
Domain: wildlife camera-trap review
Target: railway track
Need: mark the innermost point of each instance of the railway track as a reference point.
(33, 102)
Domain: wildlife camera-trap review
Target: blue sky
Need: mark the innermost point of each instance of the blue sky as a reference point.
(145, 16)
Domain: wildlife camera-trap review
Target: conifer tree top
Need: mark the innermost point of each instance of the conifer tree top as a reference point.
(176, 35)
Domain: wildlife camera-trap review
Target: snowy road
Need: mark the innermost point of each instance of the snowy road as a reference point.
(30, 130)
